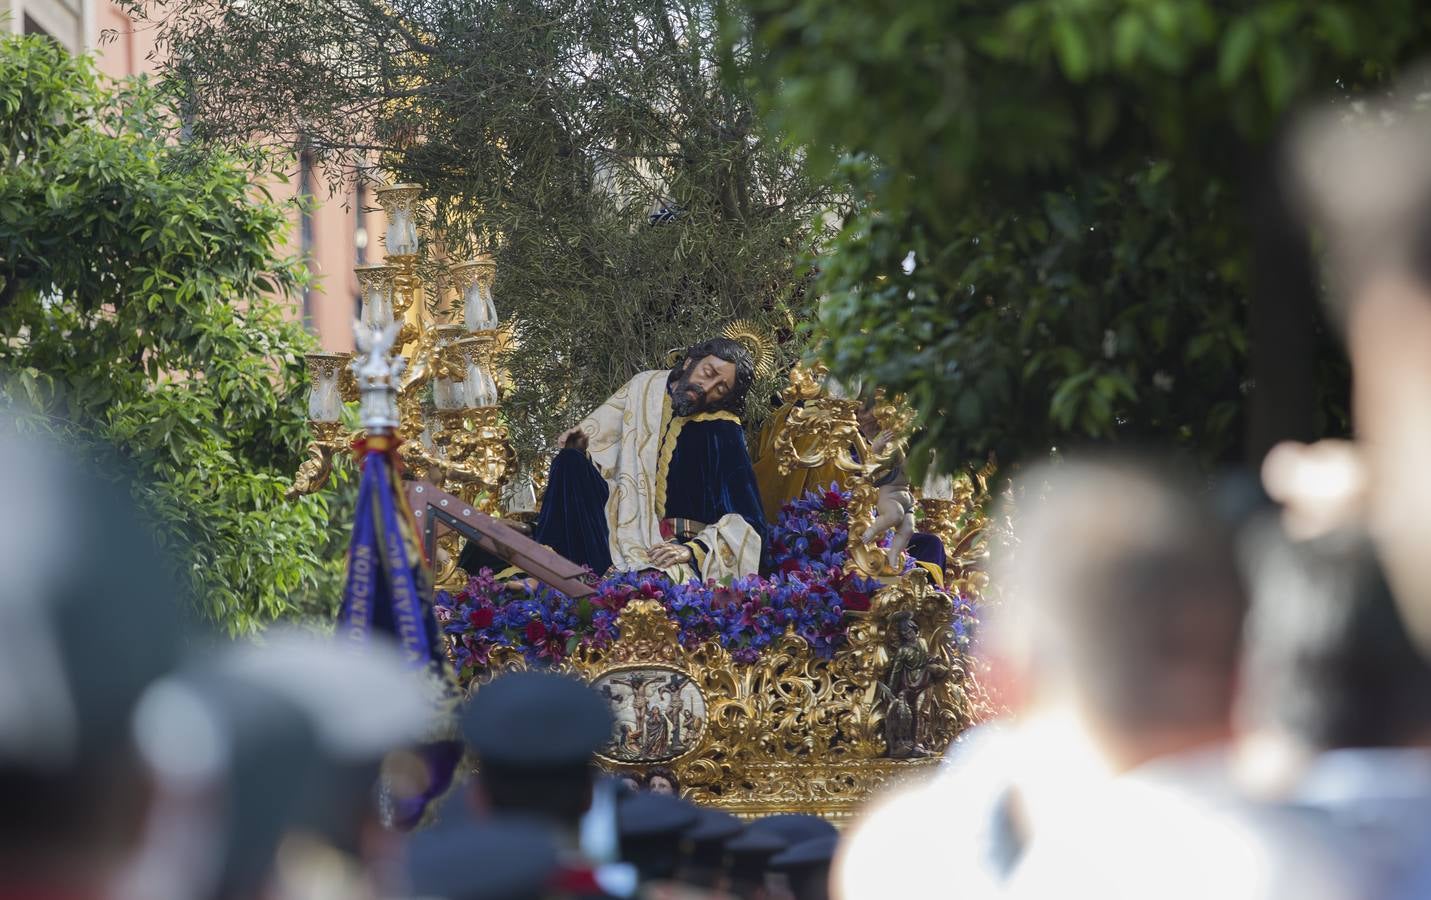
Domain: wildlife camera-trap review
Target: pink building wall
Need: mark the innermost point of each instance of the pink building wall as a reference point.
(328, 241)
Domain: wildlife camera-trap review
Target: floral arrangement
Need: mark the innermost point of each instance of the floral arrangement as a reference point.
(807, 593)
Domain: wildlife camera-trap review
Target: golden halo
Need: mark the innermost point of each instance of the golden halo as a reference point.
(760, 345)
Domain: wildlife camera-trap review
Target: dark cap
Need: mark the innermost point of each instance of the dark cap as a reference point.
(809, 854)
(643, 815)
(806, 867)
(496, 859)
(651, 827)
(713, 826)
(794, 827)
(754, 845)
(703, 847)
(536, 720)
(749, 852)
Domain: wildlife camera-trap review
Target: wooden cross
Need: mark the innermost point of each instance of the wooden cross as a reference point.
(437, 510)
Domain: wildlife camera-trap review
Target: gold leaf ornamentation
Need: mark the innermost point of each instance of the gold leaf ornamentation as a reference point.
(792, 731)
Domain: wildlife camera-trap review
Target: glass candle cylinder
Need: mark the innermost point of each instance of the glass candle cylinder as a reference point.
(375, 285)
(841, 391)
(478, 387)
(473, 280)
(449, 369)
(399, 202)
(324, 402)
(480, 313)
(446, 393)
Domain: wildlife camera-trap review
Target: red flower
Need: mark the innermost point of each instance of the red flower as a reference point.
(858, 601)
(790, 565)
(536, 632)
(833, 500)
(481, 617)
(817, 546)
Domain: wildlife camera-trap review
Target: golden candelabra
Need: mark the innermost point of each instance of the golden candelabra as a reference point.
(450, 422)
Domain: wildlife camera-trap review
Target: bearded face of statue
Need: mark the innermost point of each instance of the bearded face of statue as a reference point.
(703, 383)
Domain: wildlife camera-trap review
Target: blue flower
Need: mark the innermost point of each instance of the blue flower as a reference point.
(807, 596)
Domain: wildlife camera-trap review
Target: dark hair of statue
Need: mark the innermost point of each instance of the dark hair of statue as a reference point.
(661, 772)
(731, 351)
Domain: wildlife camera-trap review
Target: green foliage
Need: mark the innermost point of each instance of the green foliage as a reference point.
(1074, 177)
(1053, 326)
(546, 131)
(143, 300)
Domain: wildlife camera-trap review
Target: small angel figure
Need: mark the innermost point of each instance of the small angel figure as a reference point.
(894, 507)
(377, 375)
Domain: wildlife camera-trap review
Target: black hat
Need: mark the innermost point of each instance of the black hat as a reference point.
(749, 852)
(703, 848)
(651, 827)
(818, 851)
(755, 844)
(536, 720)
(807, 867)
(496, 859)
(794, 827)
(713, 826)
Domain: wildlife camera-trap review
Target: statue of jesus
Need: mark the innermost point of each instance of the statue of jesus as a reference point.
(659, 476)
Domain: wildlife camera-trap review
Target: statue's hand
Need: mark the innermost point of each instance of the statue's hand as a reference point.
(663, 555)
(573, 438)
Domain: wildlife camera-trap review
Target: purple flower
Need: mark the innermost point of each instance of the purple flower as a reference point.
(807, 596)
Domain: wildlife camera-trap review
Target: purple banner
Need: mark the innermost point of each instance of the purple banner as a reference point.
(388, 589)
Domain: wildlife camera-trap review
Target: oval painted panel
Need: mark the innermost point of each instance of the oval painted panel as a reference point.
(659, 714)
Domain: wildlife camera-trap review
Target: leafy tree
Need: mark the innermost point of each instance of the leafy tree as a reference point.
(547, 132)
(143, 304)
(1090, 190)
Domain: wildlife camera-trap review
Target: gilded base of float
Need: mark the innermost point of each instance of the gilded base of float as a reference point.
(792, 731)
(835, 791)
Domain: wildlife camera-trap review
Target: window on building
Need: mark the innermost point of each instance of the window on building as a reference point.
(33, 27)
(360, 231)
(305, 227)
(360, 235)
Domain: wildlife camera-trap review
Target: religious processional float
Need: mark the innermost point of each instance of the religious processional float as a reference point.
(801, 690)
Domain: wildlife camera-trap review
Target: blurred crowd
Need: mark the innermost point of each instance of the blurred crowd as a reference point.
(1211, 687)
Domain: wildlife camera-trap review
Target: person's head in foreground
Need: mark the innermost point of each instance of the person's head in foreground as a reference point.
(1122, 606)
(80, 640)
(651, 828)
(266, 759)
(535, 735)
